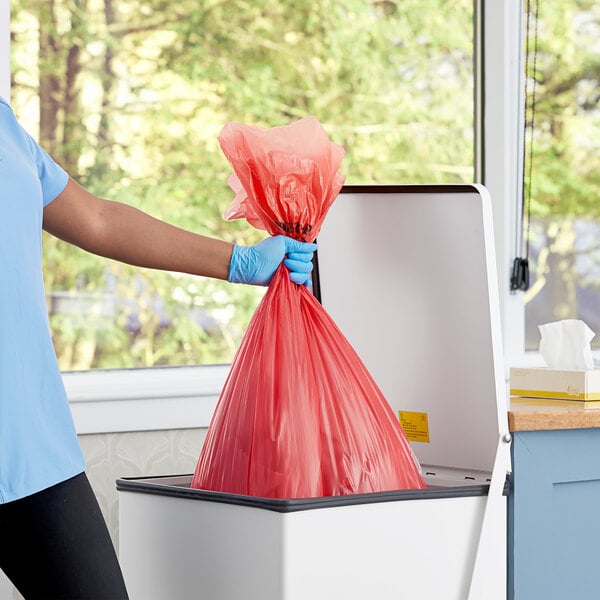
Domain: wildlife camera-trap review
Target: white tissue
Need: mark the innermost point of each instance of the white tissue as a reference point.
(565, 345)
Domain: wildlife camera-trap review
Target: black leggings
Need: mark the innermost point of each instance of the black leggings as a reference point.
(55, 545)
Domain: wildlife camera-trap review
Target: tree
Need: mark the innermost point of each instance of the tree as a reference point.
(565, 170)
(132, 97)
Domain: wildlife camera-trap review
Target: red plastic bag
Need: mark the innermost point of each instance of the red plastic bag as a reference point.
(299, 415)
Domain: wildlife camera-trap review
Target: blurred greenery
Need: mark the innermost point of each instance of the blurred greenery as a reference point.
(562, 170)
(130, 96)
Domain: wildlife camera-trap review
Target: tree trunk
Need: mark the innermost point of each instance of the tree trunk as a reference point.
(562, 280)
(108, 81)
(49, 61)
(553, 293)
(73, 132)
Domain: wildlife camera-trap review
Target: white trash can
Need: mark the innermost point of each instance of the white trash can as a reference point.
(408, 274)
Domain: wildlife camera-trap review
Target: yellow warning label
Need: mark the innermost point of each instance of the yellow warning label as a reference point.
(415, 425)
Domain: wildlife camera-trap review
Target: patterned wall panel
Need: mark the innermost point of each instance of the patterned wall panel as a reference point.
(132, 454)
(136, 454)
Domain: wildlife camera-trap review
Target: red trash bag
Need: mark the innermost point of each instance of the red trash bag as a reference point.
(299, 415)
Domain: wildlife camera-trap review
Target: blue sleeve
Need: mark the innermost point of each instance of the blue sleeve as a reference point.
(53, 178)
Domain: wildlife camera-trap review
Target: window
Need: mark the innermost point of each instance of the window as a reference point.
(130, 98)
(562, 165)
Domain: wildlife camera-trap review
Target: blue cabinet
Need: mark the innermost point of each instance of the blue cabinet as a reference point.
(554, 515)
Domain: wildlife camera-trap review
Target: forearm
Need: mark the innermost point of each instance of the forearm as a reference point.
(124, 233)
(132, 236)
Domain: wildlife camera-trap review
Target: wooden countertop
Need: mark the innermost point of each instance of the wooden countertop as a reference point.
(533, 414)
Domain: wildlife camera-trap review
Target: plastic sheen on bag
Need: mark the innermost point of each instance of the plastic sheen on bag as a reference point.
(299, 415)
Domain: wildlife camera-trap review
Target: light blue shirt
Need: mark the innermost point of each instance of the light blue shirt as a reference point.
(38, 442)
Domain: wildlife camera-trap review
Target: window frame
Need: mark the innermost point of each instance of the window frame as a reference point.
(184, 397)
(503, 102)
(156, 398)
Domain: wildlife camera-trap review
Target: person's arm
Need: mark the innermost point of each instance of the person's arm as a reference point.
(124, 233)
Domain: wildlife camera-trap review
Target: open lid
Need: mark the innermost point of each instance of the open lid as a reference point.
(408, 273)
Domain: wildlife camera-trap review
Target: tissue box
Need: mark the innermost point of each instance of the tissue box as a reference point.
(543, 382)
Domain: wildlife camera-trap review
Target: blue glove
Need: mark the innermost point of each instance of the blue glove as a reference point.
(257, 264)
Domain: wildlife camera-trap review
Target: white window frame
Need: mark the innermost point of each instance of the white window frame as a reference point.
(183, 397)
(144, 399)
(502, 108)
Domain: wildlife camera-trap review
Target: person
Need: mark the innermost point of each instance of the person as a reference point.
(54, 542)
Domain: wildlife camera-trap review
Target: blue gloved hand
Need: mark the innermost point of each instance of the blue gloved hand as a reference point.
(257, 264)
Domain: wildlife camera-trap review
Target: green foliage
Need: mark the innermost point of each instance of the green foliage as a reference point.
(152, 86)
(566, 122)
(135, 94)
(141, 91)
(562, 178)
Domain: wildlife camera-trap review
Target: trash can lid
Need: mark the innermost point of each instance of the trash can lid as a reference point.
(408, 273)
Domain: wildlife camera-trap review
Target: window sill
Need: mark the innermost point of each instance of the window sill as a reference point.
(144, 399)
